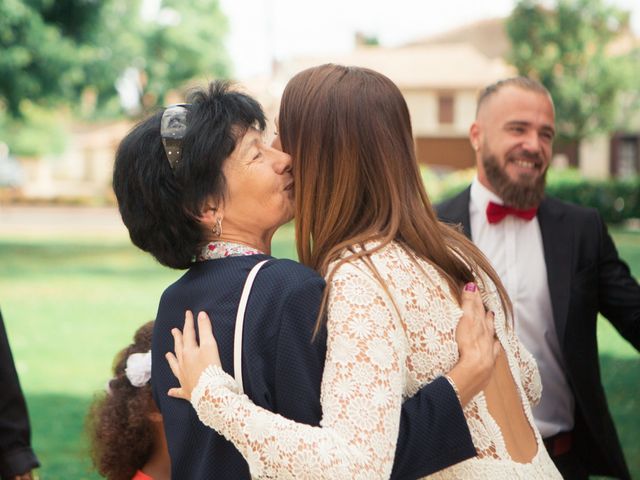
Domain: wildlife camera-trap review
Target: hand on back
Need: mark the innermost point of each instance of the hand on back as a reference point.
(190, 358)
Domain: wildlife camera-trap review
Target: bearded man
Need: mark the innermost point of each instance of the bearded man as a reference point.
(559, 266)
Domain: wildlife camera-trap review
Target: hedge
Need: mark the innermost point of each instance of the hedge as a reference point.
(616, 199)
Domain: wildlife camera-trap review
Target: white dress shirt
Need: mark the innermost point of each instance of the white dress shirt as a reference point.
(514, 247)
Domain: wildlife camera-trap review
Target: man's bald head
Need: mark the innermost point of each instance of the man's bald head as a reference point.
(523, 83)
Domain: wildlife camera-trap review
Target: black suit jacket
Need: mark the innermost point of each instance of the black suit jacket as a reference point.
(281, 370)
(585, 276)
(16, 455)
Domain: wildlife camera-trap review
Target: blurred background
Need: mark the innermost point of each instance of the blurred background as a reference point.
(75, 75)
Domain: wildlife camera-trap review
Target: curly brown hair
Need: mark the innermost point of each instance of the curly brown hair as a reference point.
(118, 423)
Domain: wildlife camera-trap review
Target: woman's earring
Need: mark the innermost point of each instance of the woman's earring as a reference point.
(217, 228)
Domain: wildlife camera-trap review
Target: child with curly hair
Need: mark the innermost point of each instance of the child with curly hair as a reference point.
(125, 425)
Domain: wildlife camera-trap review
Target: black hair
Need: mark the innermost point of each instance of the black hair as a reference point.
(160, 206)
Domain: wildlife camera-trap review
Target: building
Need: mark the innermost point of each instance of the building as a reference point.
(83, 171)
(440, 77)
(440, 84)
(616, 153)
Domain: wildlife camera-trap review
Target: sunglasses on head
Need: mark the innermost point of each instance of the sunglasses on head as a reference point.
(173, 127)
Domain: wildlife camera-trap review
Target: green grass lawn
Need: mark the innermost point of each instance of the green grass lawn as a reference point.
(70, 304)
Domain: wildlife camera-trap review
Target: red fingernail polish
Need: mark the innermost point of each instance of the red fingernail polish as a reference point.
(470, 287)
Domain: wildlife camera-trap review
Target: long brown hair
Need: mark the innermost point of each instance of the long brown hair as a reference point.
(356, 177)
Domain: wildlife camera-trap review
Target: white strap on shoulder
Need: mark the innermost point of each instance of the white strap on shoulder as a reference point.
(237, 337)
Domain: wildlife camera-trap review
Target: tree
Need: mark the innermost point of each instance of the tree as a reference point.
(53, 51)
(38, 59)
(182, 42)
(568, 49)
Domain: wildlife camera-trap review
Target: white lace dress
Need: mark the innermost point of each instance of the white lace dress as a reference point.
(376, 357)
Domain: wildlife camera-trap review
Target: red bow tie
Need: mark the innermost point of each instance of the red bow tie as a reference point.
(496, 212)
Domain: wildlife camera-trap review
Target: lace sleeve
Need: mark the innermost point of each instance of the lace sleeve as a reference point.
(361, 396)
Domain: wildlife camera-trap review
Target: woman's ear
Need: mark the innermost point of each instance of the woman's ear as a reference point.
(210, 212)
(211, 216)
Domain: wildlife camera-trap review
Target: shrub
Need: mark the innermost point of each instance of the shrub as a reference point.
(616, 199)
(40, 132)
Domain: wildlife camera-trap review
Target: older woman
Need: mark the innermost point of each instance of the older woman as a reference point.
(198, 188)
(393, 277)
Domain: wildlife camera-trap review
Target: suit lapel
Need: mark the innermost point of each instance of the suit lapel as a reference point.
(456, 211)
(557, 241)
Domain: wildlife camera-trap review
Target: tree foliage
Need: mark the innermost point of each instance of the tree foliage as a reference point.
(192, 47)
(53, 52)
(568, 48)
(37, 60)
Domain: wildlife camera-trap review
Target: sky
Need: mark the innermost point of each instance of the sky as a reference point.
(261, 30)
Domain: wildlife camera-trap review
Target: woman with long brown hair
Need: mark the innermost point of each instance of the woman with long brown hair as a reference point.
(392, 303)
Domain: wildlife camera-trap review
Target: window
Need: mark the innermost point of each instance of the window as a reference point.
(627, 158)
(445, 109)
(625, 155)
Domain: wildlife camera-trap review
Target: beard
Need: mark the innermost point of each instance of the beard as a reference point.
(527, 191)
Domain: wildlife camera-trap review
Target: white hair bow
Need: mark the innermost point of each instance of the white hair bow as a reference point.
(138, 369)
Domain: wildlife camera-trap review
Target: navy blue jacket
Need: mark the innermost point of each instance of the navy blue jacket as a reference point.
(281, 370)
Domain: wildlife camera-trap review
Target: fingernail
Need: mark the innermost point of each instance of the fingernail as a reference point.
(470, 287)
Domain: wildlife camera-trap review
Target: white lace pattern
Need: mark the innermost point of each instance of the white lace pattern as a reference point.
(378, 354)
